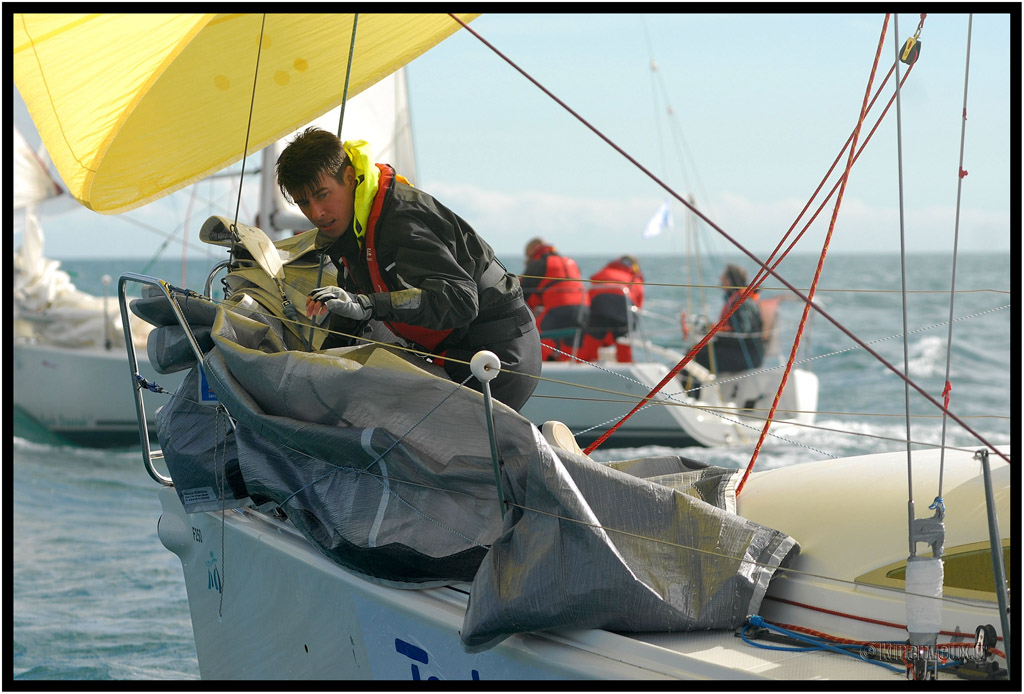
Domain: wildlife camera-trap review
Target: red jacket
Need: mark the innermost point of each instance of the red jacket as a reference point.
(616, 276)
(552, 280)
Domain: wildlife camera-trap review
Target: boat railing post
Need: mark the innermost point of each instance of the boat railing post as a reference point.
(213, 273)
(996, 547)
(133, 370)
(133, 364)
(485, 366)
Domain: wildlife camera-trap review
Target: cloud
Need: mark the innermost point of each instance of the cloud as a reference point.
(581, 225)
(574, 224)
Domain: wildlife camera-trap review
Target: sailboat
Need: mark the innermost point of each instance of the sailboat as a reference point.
(699, 409)
(70, 367)
(702, 406)
(348, 514)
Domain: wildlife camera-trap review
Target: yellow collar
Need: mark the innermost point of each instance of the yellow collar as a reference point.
(367, 177)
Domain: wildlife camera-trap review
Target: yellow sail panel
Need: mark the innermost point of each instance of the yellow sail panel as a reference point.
(147, 104)
(80, 75)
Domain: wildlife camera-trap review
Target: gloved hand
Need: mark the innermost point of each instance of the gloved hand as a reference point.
(336, 300)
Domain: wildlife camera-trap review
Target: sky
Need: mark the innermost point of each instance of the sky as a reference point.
(761, 105)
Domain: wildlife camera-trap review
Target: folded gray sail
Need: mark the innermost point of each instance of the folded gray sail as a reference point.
(385, 466)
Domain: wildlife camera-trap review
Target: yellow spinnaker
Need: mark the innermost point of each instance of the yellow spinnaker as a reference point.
(132, 107)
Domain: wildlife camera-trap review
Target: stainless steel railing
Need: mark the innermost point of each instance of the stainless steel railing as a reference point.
(138, 383)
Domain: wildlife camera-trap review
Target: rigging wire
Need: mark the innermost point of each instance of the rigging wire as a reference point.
(653, 68)
(252, 107)
(903, 294)
(670, 400)
(348, 76)
(341, 123)
(184, 236)
(806, 310)
(231, 252)
(927, 396)
(391, 479)
(956, 236)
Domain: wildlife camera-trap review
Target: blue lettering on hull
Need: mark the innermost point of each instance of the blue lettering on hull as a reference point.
(420, 656)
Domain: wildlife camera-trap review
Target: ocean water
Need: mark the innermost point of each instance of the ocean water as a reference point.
(97, 597)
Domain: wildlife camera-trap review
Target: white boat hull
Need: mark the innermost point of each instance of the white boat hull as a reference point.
(287, 612)
(80, 394)
(590, 398)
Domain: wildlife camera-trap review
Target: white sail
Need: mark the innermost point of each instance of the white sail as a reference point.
(380, 115)
(32, 181)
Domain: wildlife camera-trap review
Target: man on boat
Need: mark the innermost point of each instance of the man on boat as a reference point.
(614, 290)
(739, 345)
(410, 263)
(555, 291)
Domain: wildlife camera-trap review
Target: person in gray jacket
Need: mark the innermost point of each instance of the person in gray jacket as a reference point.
(406, 260)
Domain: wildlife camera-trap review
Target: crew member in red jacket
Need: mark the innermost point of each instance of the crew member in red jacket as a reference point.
(554, 290)
(614, 291)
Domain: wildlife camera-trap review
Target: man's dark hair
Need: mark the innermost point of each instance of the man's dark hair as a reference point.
(311, 153)
(735, 276)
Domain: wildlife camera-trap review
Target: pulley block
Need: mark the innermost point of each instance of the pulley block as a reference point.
(911, 51)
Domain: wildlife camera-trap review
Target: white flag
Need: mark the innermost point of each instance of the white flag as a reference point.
(661, 220)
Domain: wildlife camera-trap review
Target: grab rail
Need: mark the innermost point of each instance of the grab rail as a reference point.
(213, 273)
(133, 364)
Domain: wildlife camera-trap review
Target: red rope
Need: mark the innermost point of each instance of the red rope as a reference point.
(763, 272)
(877, 645)
(845, 615)
(821, 261)
(878, 122)
(870, 620)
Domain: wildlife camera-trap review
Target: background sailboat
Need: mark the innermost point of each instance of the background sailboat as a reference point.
(693, 409)
(70, 364)
(70, 372)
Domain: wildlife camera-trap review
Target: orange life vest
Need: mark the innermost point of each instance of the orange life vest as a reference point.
(613, 277)
(425, 337)
(562, 284)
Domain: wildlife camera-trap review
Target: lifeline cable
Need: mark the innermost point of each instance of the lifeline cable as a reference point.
(671, 401)
(660, 541)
